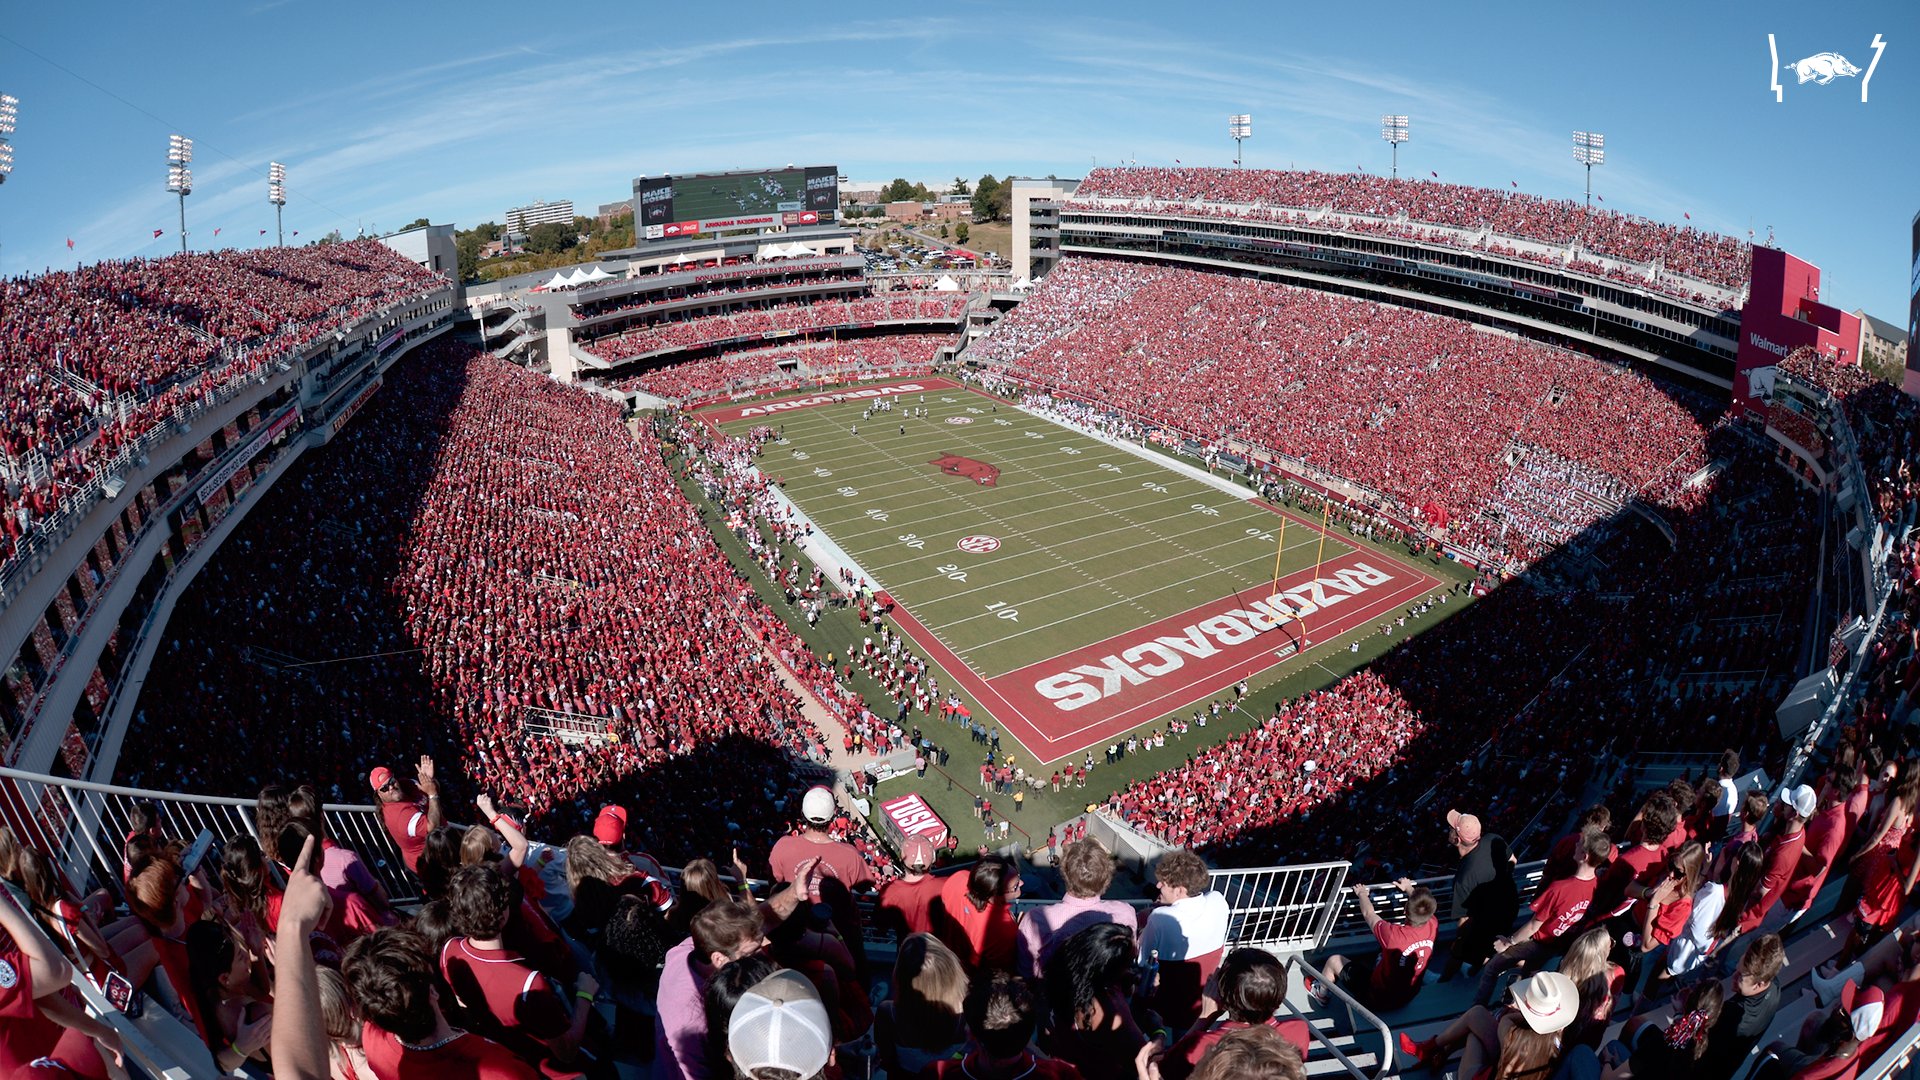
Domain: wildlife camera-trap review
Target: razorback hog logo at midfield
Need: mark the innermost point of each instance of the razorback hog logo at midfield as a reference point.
(955, 465)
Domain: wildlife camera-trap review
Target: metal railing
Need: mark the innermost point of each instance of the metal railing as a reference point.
(1283, 908)
(1350, 1018)
(1902, 1059)
(85, 826)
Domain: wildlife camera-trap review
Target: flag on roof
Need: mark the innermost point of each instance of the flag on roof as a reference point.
(158, 232)
(1686, 215)
(1515, 183)
(1435, 175)
(216, 232)
(263, 232)
(69, 243)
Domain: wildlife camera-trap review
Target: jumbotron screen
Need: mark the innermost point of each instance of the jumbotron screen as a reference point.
(674, 206)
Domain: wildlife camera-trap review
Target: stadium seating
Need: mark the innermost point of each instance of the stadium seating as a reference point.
(1663, 257)
(663, 336)
(840, 360)
(93, 358)
(1430, 412)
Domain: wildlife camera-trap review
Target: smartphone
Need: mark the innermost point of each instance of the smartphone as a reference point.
(196, 852)
(121, 994)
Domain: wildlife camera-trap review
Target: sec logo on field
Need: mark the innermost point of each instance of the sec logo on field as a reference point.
(959, 419)
(978, 545)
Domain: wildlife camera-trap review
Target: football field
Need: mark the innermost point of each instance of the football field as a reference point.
(1076, 589)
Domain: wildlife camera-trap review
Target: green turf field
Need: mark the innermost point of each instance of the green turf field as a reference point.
(1080, 500)
(1094, 540)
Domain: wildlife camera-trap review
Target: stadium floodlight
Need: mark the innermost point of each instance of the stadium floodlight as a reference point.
(1589, 149)
(9, 113)
(1394, 130)
(1240, 127)
(180, 177)
(277, 195)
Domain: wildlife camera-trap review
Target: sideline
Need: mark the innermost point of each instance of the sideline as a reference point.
(1168, 461)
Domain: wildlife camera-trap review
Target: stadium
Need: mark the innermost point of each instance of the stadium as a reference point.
(1281, 623)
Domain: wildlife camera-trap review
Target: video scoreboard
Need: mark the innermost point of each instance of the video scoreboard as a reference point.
(666, 207)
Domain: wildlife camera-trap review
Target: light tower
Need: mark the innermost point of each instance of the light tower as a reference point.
(1240, 126)
(9, 112)
(1589, 149)
(1394, 130)
(180, 177)
(277, 195)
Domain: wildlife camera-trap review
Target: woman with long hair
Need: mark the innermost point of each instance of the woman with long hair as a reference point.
(924, 1022)
(1089, 981)
(1674, 1051)
(363, 900)
(67, 922)
(1589, 963)
(598, 879)
(253, 899)
(1664, 912)
(341, 1018)
(231, 995)
(1520, 1042)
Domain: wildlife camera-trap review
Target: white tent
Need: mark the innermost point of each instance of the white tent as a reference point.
(798, 250)
(557, 281)
(597, 274)
(1023, 284)
(576, 277)
(946, 284)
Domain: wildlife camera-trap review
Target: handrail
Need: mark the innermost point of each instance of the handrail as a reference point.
(1896, 1059)
(1355, 1015)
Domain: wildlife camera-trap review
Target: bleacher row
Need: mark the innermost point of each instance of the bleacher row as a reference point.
(1659, 256)
(668, 334)
(838, 361)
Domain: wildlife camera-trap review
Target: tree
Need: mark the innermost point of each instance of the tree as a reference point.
(469, 245)
(984, 195)
(897, 191)
(960, 186)
(551, 237)
(961, 231)
(415, 223)
(943, 232)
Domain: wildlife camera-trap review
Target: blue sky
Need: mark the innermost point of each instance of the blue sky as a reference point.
(387, 112)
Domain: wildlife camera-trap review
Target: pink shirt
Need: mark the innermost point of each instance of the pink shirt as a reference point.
(1043, 928)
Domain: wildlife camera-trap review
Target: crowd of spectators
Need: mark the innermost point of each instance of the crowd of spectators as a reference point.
(1468, 216)
(483, 549)
(93, 358)
(669, 334)
(778, 365)
(1449, 421)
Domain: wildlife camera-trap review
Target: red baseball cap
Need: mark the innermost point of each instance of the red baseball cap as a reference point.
(610, 827)
(917, 852)
(379, 777)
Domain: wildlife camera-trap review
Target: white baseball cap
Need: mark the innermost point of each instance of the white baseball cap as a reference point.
(1801, 798)
(817, 806)
(781, 1024)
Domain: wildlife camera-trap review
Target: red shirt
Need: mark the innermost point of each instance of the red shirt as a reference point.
(527, 1007)
(463, 1057)
(407, 824)
(1643, 863)
(1561, 905)
(1783, 855)
(1672, 919)
(981, 938)
(1181, 1059)
(1404, 952)
(1826, 834)
(24, 1033)
(842, 861)
(909, 905)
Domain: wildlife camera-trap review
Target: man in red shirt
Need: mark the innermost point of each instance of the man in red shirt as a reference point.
(840, 862)
(1826, 836)
(530, 1014)
(409, 815)
(1785, 842)
(1639, 865)
(406, 1036)
(1557, 910)
(1253, 986)
(906, 904)
(1405, 949)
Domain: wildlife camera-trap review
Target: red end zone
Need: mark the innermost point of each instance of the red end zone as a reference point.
(808, 401)
(1088, 696)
